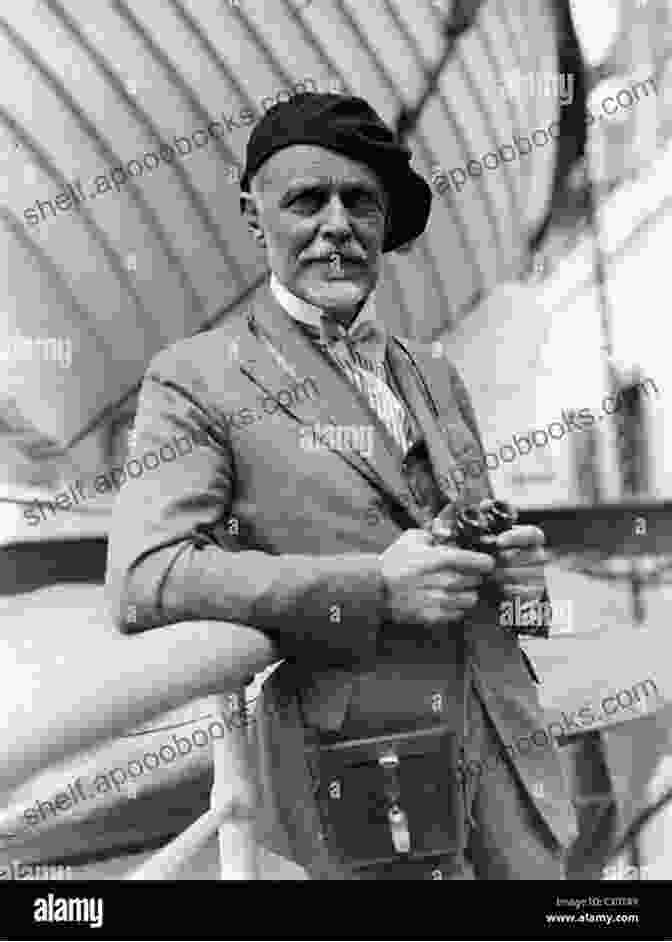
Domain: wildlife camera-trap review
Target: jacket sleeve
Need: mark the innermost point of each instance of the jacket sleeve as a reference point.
(173, 557)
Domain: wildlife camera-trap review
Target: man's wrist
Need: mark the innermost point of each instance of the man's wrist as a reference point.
(386, 610)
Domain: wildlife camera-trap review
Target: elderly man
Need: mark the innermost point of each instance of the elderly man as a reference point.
(386, 638)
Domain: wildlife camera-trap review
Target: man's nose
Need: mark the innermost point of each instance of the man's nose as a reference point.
(337, 220)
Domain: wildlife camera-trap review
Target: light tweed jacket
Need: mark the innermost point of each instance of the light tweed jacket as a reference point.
(254, 529)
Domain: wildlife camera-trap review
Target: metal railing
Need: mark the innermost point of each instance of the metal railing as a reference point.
(231, 814)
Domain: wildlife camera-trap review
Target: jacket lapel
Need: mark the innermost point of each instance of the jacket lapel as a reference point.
(450, 445)
(287, 355)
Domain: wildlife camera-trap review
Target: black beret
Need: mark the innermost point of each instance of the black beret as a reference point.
(349, 126)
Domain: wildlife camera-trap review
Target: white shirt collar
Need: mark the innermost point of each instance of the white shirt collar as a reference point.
(310, 314)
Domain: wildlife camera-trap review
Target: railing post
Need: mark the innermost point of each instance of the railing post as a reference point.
(235, 786)
(233, 804)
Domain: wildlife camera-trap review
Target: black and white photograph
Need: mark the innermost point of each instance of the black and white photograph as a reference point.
(381, 289)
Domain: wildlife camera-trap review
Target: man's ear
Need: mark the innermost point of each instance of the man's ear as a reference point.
(249, 208)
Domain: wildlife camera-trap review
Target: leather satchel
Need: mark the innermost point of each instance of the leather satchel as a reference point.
(391, 800)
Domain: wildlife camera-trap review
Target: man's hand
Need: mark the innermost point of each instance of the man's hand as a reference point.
(431, 586)
(520, 563)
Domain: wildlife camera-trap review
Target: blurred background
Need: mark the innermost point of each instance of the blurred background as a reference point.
(544, 279)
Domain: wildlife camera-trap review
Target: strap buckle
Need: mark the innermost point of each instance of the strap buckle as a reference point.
(396, 816)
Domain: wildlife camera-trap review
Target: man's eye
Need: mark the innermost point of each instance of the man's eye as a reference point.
(364, 204)
(307, 202)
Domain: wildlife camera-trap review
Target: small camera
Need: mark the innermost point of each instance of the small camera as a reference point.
(476, 527)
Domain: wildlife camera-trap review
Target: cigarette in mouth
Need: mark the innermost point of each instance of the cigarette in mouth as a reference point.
(335, 262)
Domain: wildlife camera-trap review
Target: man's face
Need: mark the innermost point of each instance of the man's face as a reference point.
(323, 220)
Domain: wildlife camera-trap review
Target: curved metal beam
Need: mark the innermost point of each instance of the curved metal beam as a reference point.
(458, 219)
(113, 407)
(517, 38)
(487, 116)
(56, 276)
(515, 112)
(190, 23)
(40, 157)
(517, 45)
(515, 115)
(177, 79)
(142, 117)
(107, 152)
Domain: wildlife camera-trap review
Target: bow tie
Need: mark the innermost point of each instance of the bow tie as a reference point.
(368, 340)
